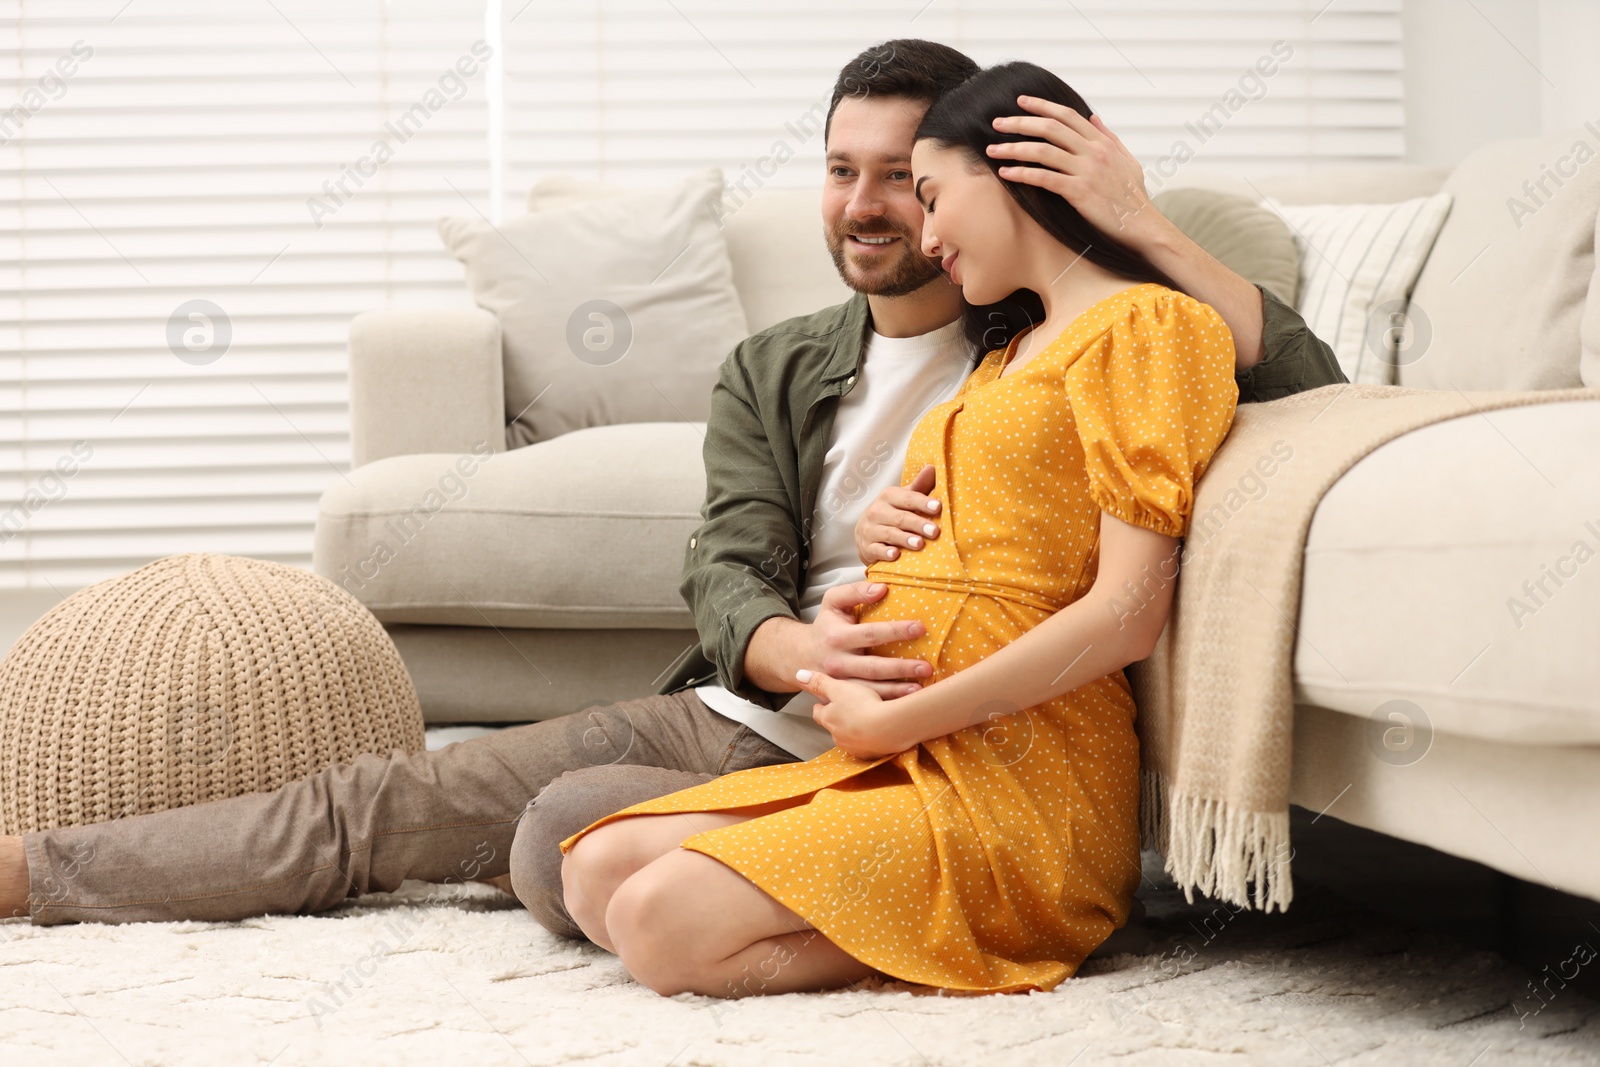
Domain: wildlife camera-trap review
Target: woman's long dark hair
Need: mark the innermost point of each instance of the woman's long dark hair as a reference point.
(963, 118)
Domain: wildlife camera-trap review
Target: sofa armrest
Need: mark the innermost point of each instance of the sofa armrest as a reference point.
(425, 381)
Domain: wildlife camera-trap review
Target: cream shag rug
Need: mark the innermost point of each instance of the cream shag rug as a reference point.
(461, 975)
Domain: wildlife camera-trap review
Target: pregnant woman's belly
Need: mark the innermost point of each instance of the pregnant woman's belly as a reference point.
(961, 628)
(1078, 748)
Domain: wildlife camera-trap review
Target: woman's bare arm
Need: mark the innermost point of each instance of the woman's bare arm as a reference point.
(1103, 631)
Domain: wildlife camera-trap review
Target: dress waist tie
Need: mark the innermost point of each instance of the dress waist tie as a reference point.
(971, 586)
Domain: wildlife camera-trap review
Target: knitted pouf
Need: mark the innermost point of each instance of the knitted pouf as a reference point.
(193, 678)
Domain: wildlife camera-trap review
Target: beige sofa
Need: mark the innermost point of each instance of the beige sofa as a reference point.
(547, 581)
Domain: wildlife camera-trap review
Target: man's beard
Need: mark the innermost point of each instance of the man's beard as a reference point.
(909, 270)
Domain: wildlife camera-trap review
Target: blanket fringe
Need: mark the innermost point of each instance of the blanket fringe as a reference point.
(1216, 849)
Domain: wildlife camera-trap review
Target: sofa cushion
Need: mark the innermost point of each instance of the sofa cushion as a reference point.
(1470, 589)
(1505, 288)
(781, 265)
(1358, 263)
(611, 311)
(780, 257)
(1245, 237)
(586, 530)
(557, 190)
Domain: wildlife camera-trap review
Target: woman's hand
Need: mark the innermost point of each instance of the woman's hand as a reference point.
(862, 723)
(1082, 161)
(901, 517)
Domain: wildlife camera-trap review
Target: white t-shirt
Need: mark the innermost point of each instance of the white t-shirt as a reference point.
(900, 379)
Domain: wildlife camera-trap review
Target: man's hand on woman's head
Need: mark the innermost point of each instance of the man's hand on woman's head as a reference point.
(901, 517)
(1082, 161)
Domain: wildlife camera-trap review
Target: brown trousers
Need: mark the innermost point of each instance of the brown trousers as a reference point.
(488, 806)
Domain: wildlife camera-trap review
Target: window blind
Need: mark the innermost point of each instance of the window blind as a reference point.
(640, 92)
(195, 199)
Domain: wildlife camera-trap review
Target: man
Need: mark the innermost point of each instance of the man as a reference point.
(809, 422)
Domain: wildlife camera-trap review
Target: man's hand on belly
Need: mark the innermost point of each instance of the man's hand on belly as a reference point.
(834, 644)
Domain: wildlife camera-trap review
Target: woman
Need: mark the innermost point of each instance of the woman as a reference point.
(979, 834)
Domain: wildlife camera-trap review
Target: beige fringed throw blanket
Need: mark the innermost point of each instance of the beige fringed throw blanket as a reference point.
(1215, 700)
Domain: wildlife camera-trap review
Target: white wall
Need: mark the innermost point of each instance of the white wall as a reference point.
(1485, 69)
(1569, 46)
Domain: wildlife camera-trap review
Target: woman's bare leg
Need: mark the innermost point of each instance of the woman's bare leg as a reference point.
(690, 923)
(682, 921)
(607, 856)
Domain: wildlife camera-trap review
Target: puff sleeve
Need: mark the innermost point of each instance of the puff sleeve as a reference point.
(1152, 400)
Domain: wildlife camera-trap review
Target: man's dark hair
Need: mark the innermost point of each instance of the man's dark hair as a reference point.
(907, 67)
(963, 119)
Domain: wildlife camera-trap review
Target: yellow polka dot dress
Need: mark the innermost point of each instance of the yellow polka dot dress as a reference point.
(996, 858)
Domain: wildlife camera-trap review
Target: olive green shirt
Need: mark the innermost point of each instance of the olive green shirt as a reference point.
(770, 425)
